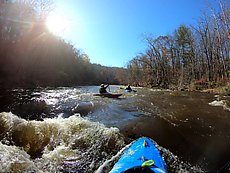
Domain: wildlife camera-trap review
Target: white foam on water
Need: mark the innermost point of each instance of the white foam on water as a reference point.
(174, 164)
(14, 159)
(102, 168)
(60, 140)
(71, 144)
(222, 103)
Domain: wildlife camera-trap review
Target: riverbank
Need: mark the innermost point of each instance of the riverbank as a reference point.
(223, 91)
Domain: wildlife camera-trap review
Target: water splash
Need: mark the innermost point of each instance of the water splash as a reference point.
(72, 144)
(13, 159)
(57, 144)
(222, 103)
(174, 164)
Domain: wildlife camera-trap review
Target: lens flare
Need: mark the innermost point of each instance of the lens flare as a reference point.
(57, 24)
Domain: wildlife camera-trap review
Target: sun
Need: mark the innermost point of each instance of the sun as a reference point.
(57, 24)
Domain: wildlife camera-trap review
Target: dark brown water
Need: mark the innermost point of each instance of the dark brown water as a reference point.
(190, 131)
(187, 125)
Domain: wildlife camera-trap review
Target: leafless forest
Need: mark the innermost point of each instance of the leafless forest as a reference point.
(193, 57)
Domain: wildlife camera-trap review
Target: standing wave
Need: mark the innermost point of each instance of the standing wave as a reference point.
(72, 144)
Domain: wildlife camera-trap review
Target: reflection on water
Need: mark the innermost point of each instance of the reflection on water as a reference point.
(79, 132)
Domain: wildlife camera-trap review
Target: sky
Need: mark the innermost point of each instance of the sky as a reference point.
(111, 32)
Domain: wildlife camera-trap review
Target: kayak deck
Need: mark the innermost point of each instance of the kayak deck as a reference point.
(141, 156)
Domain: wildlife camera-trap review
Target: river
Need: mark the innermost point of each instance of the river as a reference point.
(69, 130)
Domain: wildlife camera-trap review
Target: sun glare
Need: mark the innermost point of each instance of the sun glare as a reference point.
(57, 24)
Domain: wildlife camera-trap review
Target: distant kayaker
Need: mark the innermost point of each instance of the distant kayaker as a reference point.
(103, 88)
(128, 88)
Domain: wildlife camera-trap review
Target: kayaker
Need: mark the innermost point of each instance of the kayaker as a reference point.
(103, 88)
(128, 88)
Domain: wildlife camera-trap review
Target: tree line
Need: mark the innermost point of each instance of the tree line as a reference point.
(191, 57)
(31, 56)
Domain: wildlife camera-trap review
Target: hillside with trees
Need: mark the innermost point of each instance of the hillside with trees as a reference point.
(193, 57)
(31, 56)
